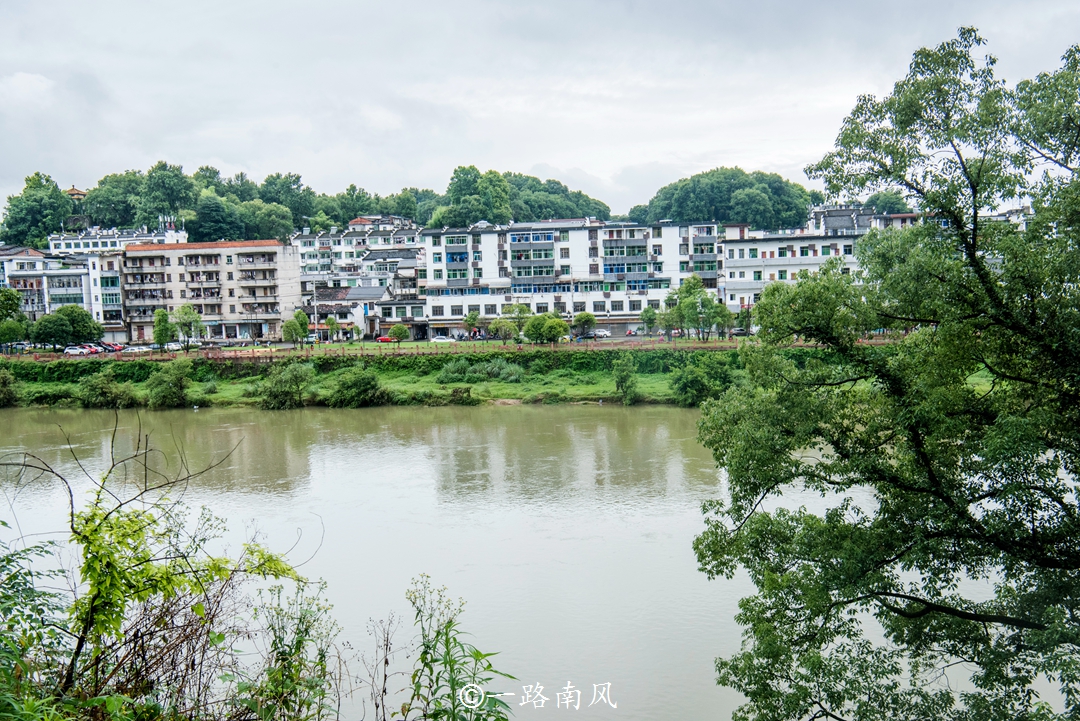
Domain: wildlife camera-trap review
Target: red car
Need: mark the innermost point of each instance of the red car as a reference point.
(384, 339)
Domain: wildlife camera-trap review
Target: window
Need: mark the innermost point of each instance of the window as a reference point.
(742, 273)
(845, 271)
(594, 252)
(757, 275)
(504, 272)
(635, 306)
(684, 249)
(849, 249)
(579, 307)
(594, 269)
(418, 311)
(742, 253)
(683, 266)
(826, 250)
(387, 312)
(401, 312)
(564, 253)
(560, 307)
(437, 309)
(598, 306)
(421, 274)
(436, 274)
(456, 310)
(477, 272)
(457, 257)
(616, 306)
(658, 267)
(474, 309)
(782, 275)
(753, 252)
(593, 235)
(476, 238)
(457, 240)
(564, 236)
(232, 308)
(477, 255)
(228, 260)
(541, 307)
(229, 275)
(658, 249)
(436, 257)
(782, 252)
(232, 292)
(491, 309)
(183, 294)
(804, 251)
(436, 241)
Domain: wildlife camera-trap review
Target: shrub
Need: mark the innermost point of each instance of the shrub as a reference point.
(623, 370)
(45, 394)
(168, 386)
(706, 376)
(285, 386)
(102, 391)
(356, 388)
(463, 397)
(210, 388)
(496, 369)
(8, 396)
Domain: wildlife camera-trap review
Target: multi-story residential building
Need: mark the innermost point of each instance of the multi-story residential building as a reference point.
(612, 270)
(47, 282)
(111, 240)
(243, 289)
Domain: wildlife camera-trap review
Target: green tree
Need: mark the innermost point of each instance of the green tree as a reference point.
(41, 208)
(52, 329)
(293, 332)
(164, 329)
(289, 190)
(333, 328)
(519, 315)
(215, 220)
(84, 329)
(101, 390)
(9, 396)
(243, 188)
(303, 321)
(648, 318)
(470, 321)
(167, 386)
(10, 304)
(753, 206)
(888, 201)
(114, 202)
(624, 371)
(166, 191)
(946, 538)
(399, 333)
(503, 329)
(285, 386)
(584, 322)
(265, 221)
(11, 331)
(716, 194)
(188, 324)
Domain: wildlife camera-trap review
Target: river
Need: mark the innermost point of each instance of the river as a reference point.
(567, 529)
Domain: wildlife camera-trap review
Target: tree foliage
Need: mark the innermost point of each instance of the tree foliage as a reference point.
(41, 208)
(84, 329)
(165, 330)
(285, 386)
(167, 387)
(51, 329)
(945, 541)
(765, 200)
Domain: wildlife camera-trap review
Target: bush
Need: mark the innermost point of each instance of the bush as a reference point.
(8, 396)
(623, 369)
(356, 388)
(168, 386)
(703, 378)
(463, 397)
(102, 391)
(46, 394)
(496, 369)
(285, 386)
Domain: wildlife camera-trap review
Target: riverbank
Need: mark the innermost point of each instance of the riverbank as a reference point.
(656, 375)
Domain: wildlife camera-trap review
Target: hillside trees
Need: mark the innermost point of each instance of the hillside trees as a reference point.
(765, 200)
(945, 538)
(41, 208)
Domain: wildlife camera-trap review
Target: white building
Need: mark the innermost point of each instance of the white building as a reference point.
(111, 240)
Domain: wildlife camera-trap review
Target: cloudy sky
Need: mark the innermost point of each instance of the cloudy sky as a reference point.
(615, 97)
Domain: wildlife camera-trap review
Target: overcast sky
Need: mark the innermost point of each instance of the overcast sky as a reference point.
(613, 97)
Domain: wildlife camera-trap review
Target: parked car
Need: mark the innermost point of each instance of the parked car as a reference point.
(739, 332)
(76, 350)
(312, 339)
(111, 347)
(384, 339)
(442, 339)
(602, 333)
(631, 331)
(93, 348)
(136, 349)
(173, 347)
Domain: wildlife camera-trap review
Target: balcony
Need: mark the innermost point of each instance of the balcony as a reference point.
(257, 281)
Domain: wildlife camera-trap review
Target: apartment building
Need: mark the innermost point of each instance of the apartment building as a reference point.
(243, 289)
(610, 269)
(112, 240)
(47, 282)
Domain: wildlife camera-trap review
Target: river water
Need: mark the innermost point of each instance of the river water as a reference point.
(567, 529)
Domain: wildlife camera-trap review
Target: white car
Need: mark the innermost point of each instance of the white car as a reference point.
(135, 349)
(602, 333)
(174, 347)
(442, 339)
(76, 350)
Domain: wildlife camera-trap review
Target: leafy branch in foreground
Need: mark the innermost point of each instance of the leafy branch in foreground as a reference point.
(938, 576)
(154, 619)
